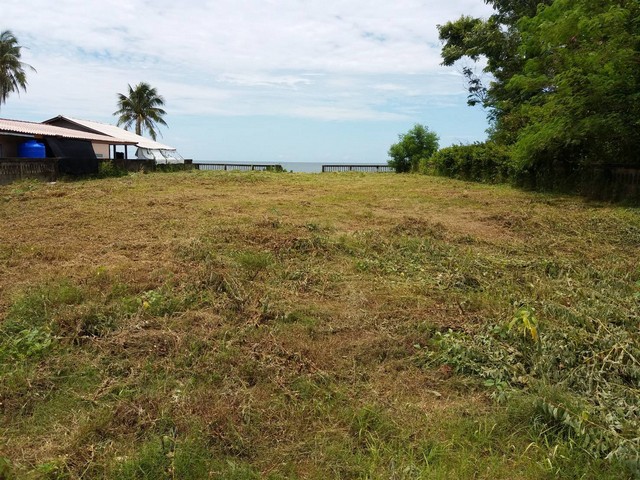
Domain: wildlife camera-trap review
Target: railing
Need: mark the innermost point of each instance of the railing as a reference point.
(357, 168)
(12, 169)
(238, 166)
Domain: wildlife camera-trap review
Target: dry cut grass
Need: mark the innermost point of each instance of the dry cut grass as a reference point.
(257, 325)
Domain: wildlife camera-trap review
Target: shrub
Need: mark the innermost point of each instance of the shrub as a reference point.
(109, 169)
(480, 162)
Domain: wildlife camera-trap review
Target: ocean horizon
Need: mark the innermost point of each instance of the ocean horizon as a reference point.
(297, 167)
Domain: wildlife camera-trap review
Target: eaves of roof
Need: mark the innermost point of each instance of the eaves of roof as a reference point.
(20, 127)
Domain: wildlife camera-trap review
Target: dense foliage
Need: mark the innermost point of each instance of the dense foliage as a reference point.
(13, 77)
(481, 162)
(566, 83)
(417, 144)
(142, 108)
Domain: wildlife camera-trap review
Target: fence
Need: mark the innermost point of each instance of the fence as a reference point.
(238, 166)
(616, 182)
(49, 169)
(357, 168)
(12, 169)
(609, 182)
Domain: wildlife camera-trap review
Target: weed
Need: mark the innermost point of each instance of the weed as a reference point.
(591, 366)
(25, 344)
(37, 306)
(109, 169)
(253, 263)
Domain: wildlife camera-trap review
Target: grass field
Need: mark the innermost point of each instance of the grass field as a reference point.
(353, 326)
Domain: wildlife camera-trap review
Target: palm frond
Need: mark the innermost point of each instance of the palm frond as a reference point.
(141, 107)
(13, 77)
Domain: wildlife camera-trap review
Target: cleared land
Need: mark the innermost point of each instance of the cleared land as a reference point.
(258, 325)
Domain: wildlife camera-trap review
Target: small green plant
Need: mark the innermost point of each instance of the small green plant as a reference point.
(53, 470)
(28, 343)
(7, 471)
(162, 302)
(37, 305)
(599, 370)
(525, 321)
(254, 262)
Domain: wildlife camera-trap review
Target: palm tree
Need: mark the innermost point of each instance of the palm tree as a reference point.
(142, 108)
(12, 70)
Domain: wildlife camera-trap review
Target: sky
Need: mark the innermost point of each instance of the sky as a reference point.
(251, 80)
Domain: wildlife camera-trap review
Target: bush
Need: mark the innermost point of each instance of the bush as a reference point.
(480, 162)
(110, 169)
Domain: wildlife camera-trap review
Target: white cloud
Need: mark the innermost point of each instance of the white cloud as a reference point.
(331, 60)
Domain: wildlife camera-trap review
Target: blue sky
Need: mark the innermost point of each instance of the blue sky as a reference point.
(249, 80)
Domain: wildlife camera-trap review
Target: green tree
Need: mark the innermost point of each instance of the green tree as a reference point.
(565, 89)
(497, 41)
(417, 144)
(581, 82)
(12, 71)
(142, 108)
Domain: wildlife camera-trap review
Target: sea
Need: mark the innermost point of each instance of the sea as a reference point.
(296, 167)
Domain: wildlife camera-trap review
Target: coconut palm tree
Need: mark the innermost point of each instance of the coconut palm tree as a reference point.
(12, 70)
(142, 108)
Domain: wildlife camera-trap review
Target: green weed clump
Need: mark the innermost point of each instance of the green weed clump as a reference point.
(583, 374)
(27, 331)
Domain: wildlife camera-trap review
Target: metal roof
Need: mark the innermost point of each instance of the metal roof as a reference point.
(113, 131)
(21, 127)
(41, 130)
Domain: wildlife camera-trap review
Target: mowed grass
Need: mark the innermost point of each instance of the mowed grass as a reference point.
(257, 325)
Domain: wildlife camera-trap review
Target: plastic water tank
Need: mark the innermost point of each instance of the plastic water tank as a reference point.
(31, 149)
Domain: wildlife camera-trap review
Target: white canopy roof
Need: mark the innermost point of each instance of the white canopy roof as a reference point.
(116, 132)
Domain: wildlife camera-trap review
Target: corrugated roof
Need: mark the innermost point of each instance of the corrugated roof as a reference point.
(113, 131)
(38, 129)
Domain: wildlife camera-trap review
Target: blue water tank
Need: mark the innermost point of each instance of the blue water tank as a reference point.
(31, 149)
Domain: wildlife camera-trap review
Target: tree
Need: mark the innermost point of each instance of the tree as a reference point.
(142, 108)
(497, 41)
(417, 144)
(12, 71)
(581, 85)
(565, 89)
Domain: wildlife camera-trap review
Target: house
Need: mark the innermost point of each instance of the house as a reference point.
(73, 149)
(146, 149)
(58, 141)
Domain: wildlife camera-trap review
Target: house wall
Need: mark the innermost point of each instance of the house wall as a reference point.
(9, 146)
(101, 149)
